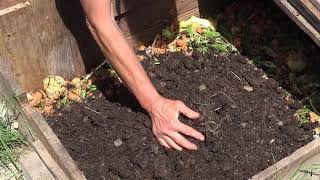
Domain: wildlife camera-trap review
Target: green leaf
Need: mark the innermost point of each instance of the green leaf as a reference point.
(203, 49)
(92, 88)
(168, 34)
(156, 61)
(63, 102)
(83, 94)
(220, 47)
(210, 34)
(190, 30)
(303, 115)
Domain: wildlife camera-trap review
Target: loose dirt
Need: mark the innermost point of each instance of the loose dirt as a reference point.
(246, 118)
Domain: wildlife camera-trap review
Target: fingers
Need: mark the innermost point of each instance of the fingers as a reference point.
(187, 111)
(164, 143)
(189, 131)
(172, 143)
(183, 142)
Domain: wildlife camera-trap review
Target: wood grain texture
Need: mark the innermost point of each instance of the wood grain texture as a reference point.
(311, 9)
(316, 3)
(52, 144)
(14, 8)
(184, 6)
(307, 14)
(8, 3)
(36, 44)
(299, 20)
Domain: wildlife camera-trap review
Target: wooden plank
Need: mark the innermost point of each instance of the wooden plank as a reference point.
(14, 111)
(186, 6)
(37, 44)
(50, 163)
(306, 13)
(285, 168)
(188, 14)
(7, 9)
(61, 55)
(316, 3)
(8, 3)
(299, 20)
(17, 37)
(52, 143)
(311, 9)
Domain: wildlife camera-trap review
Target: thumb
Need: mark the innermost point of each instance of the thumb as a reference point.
(187, 111)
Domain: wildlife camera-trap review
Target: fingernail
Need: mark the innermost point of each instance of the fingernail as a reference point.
(202, 138)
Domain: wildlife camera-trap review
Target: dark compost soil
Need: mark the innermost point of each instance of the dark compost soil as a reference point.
(247, 120)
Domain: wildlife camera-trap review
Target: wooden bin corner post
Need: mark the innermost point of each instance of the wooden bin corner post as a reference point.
(35, 42)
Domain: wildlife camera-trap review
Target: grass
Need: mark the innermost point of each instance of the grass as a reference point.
(9, 140)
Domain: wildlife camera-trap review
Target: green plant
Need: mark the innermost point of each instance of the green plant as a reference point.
(41, 105)
(303, 115)
(156, 61)
(62, 102)
(9, 140)
(92, 88)
(208, 39)
(168, 34)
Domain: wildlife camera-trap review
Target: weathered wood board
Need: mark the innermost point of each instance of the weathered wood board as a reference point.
(8, 6)
(39, 137)
(8, 3)
(35, 43)
(299, 19)
(309, 12)
(316, 3)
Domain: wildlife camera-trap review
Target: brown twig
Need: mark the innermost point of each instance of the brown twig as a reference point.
(91, 109)
(236, 76)
(154, 43)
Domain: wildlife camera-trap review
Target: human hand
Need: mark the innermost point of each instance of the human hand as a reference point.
(168, 129)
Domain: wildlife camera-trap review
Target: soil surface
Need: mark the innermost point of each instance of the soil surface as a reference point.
(246, 118)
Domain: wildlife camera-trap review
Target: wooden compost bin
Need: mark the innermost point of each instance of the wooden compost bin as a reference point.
(49, 37)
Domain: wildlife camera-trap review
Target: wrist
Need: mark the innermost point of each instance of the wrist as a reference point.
(149, 99)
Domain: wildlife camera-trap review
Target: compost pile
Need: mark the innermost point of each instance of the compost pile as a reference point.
(248, 121)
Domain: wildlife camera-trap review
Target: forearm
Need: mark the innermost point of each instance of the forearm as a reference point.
(124, 61)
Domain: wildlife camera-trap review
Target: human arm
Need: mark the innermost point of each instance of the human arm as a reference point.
(163, 112)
